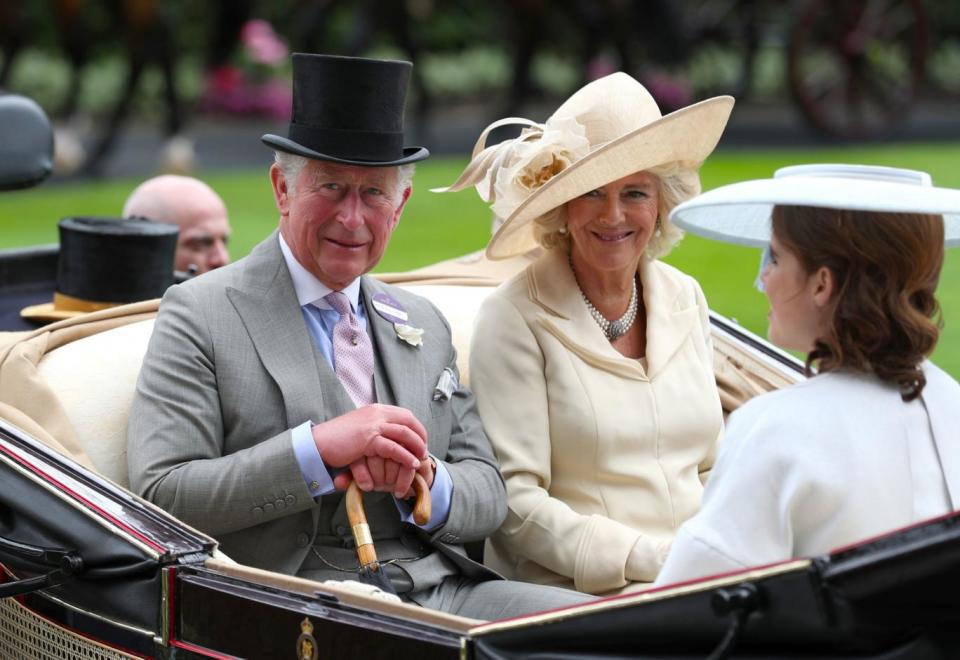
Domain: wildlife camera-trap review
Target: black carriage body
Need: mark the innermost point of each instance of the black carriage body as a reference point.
(28, 276)
(237, 618)
(894, 598)
(145, 590)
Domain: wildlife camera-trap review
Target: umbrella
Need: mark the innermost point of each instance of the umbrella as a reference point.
(370, 570)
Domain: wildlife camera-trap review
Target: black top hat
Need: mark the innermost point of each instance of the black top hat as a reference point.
(106, 262)
(348, 110)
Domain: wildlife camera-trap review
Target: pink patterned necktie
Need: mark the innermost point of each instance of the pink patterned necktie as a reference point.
(352, 352)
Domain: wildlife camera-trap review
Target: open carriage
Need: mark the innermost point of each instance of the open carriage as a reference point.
(91, 571)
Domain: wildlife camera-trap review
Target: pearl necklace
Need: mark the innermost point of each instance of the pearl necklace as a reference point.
(612, 329)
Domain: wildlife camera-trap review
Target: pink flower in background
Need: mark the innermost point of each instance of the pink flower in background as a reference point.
(670, 93)
(262, 44)
(253, 86)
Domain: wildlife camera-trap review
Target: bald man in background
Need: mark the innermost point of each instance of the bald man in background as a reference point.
(193, 206)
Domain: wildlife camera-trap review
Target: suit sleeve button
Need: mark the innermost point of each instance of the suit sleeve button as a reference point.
(302, 540)
(257, 511)
(290, 500)
(268, 507)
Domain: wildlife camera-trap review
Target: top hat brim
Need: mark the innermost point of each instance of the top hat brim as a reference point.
(47, 312)
(410, 154)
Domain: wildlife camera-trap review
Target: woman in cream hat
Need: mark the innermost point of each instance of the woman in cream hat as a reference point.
(869, 443)
(593, 367)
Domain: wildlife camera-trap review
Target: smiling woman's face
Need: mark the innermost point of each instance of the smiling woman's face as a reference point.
(611, 226)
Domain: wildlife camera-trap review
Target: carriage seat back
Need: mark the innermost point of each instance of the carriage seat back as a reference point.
(94, 378)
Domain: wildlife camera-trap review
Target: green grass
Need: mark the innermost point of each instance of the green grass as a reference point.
(436, 227)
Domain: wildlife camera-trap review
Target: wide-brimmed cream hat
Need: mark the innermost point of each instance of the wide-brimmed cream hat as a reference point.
(740, 212)
(608, 129)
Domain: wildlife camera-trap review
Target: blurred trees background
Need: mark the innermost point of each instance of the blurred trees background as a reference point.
(851, 70)
(499, 53)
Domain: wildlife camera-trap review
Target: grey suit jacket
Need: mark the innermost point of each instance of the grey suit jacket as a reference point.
(231, 368)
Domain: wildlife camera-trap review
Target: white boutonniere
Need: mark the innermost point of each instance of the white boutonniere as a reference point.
(409, 334)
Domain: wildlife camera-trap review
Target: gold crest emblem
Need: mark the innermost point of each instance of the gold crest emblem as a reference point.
(306, 644)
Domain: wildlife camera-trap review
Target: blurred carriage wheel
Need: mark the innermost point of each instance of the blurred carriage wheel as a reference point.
(855, 66)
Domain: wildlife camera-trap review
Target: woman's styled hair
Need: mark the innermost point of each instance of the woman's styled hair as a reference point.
(677, 183)
(884, 319)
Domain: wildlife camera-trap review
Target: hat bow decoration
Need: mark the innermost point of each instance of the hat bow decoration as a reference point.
(505, 174)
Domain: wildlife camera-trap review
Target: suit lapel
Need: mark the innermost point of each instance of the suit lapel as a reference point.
(397, 360)
(552, 286)
(669, 323)
(267, 305)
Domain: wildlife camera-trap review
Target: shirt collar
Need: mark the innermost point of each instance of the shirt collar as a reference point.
(308, 288)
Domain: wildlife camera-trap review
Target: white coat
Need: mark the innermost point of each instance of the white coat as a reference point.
(826, 463)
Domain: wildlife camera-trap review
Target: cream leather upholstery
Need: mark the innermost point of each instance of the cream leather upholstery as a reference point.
(459, 305)
(94, 379)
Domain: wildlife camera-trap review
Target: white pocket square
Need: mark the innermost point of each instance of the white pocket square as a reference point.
(446, 386)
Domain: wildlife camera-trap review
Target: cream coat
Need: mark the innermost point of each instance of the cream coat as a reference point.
(603, 458)
(819, 465)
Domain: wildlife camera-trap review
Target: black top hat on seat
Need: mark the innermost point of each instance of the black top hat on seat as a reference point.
(105, 262)
(348, 110)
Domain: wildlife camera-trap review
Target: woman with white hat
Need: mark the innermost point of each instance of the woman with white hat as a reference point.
(869, 443)
(593, 367)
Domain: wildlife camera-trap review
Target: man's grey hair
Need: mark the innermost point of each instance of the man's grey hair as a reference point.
(291, 165)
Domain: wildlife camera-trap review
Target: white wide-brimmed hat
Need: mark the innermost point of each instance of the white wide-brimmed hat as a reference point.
(608, 129)
(740, 212)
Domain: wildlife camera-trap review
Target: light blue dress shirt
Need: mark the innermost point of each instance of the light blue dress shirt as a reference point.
(320, 319)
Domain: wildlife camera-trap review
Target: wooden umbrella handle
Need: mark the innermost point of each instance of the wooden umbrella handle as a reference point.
(366, 553)
(361, 530)
(423, 506)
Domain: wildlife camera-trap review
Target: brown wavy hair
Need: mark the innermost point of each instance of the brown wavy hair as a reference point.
(885, 317)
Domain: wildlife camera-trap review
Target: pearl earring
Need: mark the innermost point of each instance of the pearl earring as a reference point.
(562, 231)
(657, 232)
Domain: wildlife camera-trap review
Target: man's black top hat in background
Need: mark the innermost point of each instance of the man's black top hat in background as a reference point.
(348, 110)
(105, 262)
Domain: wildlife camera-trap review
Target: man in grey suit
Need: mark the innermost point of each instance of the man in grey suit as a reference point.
(270, 384)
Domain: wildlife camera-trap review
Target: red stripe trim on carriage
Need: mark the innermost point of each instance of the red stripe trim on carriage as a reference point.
(80, 498)
(200, 650)
(635, 597)
(171, 609)
(896, 530)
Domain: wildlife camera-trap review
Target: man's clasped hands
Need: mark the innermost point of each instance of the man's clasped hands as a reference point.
(380, 447)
